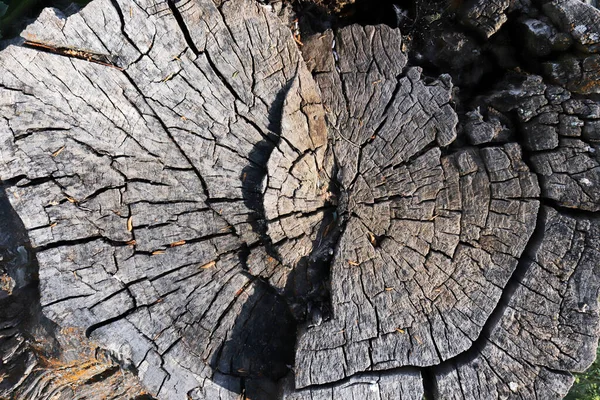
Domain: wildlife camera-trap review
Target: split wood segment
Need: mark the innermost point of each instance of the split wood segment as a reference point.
(226, 218)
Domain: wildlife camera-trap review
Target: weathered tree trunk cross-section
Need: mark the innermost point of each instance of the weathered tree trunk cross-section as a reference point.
(201, 207)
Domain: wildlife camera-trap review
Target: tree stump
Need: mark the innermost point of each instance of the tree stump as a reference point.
(199, 204)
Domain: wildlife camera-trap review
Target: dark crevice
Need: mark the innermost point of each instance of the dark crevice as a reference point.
(243, 388)
(103, 375)
(510, 288)
(215, 200)
(61, 243)
(326, 208)
(371, 376)
(91, 196)
(98, 325)
(31, 131)
(146, 181)
(576, 213)
(122, 20)
(270, 136)
(65, 299)
(144, 397)
(183, 242)
(183, 27)
(222, 78)
(24, 181)
(429, 384)
(75, 242)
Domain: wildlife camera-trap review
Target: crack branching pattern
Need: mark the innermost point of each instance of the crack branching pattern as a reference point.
(219, 218)
(433, 235)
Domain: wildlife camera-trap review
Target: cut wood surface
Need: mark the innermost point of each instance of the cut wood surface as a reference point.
(200, 205)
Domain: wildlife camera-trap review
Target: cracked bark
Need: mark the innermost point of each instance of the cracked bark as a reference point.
(226, 214)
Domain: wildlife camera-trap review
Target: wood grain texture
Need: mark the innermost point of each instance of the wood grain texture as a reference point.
(228, 214)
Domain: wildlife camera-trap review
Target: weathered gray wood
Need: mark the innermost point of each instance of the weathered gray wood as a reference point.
(406, 299)
(217, 211)
(549, 325)
(157, 158)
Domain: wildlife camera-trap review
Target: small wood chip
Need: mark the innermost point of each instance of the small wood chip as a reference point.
(157, 252)
(57, 152)
(159, 333)
(130, 223)
(178, 243)
(327, 228)
(399, 330)
(209, 265)
(372, 238)
(353, 263)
